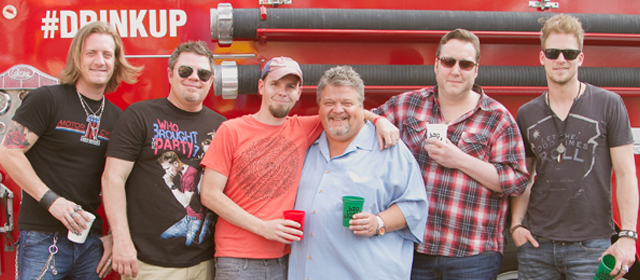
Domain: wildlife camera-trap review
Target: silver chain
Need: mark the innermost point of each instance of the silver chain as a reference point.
(87, 108)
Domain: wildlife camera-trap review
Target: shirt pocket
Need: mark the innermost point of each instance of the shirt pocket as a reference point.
(475, 145)
(413, 134)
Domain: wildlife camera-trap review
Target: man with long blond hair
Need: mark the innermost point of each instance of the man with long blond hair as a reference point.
(55, 152)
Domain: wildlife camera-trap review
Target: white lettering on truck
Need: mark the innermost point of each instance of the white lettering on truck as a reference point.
(128, 23)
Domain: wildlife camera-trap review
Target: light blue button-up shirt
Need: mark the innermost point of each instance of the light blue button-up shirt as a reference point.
(330, 250)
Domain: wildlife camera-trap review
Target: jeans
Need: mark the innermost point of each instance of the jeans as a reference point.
(251, 269)
(71, 261)
(187, 227)
(560, 260)
(482, 266)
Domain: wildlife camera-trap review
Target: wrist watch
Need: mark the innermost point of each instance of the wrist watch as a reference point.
(381, 228)
(628, 233)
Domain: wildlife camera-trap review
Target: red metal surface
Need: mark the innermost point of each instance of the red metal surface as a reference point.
(24, 42)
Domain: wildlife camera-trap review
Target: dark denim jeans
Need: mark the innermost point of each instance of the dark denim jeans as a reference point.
(251, 269)
(560, 260)
(71, 261)
(482, 266)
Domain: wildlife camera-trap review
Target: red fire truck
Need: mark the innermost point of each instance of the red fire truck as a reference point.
(391, 43)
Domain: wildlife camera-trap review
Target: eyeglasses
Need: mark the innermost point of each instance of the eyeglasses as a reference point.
(185, 71)
(450, 62)
(568, 54)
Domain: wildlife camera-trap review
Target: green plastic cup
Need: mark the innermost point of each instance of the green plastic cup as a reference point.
(604, 269)
(351, 205)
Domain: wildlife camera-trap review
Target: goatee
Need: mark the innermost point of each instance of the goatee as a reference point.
(279, 111)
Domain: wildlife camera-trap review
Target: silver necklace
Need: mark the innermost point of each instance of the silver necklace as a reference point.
(93, 122)
(561, 149)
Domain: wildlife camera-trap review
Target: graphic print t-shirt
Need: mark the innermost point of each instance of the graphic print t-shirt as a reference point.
(168, 224)
(571, 200)
(68, 166)
(263, 165)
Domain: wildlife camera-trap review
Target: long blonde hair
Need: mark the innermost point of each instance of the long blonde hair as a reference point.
(122, 70)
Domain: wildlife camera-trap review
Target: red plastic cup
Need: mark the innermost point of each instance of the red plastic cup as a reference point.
(296, 216)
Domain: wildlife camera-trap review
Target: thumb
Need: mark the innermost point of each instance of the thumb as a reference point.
(533, 241)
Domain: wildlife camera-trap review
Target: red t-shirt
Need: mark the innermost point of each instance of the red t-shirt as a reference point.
(263, 165)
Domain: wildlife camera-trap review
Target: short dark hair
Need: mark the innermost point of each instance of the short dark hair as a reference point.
(197, 47)
(463, 35)
(169, 157)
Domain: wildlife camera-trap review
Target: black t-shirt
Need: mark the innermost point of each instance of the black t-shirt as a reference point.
(571, 200)
(70, 167)
(167, 222)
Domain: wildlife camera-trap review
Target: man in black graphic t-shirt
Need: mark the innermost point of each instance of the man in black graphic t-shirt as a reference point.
(160, 228)
(54, 150)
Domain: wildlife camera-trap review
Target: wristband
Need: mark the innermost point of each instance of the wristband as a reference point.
(516, 227)
(47, 199)
(628, 233)
(376, 119)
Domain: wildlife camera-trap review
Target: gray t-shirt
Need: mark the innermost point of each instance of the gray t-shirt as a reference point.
(571, 200)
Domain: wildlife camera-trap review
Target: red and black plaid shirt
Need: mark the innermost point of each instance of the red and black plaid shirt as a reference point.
(465, 218)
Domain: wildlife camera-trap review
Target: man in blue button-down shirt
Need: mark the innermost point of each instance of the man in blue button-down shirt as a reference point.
(347, 160)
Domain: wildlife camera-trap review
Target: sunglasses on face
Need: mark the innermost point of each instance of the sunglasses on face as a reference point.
(185, 71)
(450, 62)
(568, 53)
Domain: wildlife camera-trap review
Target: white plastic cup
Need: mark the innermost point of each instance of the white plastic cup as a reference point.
(80, 238)
(437, 130)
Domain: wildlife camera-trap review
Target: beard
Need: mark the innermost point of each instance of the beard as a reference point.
(191, 96)
(562, 80)
(339, 131)
(279, 111)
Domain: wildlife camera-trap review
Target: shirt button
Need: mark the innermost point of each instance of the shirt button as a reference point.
(328, 171)
(310, 234)
(320, 191)
(313, 212)
(309, 257)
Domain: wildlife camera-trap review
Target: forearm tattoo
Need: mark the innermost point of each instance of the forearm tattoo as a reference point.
(16, 137)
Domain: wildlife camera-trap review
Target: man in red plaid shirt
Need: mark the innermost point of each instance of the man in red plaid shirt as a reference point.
(470, 176)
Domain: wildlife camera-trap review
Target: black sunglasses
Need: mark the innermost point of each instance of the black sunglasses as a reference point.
(450, 62)
(568, 54)
(185, 71)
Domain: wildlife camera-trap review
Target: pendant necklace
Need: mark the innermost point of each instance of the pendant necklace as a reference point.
(561, 149)
(93, 122)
